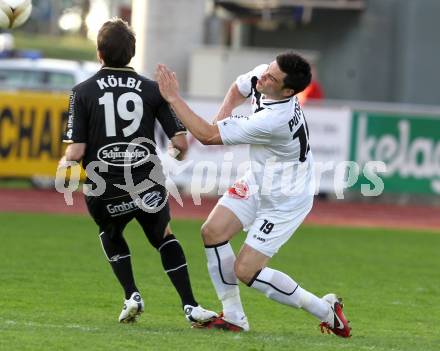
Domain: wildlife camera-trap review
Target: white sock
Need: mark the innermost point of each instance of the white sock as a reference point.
(280, 287)
(221, 261)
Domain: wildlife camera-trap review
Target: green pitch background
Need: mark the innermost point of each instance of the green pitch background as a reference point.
(58, 293)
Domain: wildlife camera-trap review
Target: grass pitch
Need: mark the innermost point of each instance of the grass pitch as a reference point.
(57, 291)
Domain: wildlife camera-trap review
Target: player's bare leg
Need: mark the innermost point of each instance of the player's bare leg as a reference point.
(220, 226)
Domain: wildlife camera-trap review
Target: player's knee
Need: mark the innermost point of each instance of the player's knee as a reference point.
(111, 232)
(158, 235)
(242, 271)
(112, 235)
(209, 232)
(167, 232)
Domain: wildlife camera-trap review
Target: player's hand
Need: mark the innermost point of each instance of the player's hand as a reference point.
(63, 163)
(175, 152)
(168, 84)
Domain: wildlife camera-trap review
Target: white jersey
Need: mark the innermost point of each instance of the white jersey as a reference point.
(281, 163)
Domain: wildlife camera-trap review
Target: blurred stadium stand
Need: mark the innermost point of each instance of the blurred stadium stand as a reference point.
(370, 50)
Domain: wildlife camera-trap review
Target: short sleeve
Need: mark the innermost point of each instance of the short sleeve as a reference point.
(77, 122)
(254, 129)
(244, 81)
(170, 123)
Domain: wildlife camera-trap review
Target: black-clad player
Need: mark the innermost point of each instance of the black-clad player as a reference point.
(111, 129)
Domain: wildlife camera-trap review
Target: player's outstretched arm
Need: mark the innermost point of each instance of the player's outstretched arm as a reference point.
(233, 98)
(169, 88)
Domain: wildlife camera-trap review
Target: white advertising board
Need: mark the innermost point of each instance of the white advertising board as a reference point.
(330, 129)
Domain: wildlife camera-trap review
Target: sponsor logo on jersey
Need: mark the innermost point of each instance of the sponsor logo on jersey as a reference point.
(123, 154)
(148, 201)
(71, 113)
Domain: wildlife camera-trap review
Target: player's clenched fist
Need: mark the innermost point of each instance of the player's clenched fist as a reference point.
(168, 84)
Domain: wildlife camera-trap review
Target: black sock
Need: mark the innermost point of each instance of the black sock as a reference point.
(174, 263)
(118, 254)
(124, 273)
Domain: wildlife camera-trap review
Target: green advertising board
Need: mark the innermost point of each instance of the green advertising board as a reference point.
(409, 145)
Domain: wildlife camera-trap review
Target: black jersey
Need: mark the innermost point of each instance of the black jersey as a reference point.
(110, 112)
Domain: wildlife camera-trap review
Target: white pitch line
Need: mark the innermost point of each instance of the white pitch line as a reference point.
(47, 325)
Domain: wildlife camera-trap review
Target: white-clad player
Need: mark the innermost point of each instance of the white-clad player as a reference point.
(271, 200)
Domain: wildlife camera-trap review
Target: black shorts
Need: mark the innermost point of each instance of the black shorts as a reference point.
(150, 208)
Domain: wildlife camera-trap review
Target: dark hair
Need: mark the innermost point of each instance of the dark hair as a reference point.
(297, 69)
(116, 43)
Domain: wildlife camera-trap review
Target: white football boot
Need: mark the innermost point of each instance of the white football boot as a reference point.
(198, 314)
(133, 307)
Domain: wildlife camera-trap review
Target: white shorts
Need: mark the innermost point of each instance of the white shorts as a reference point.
(267, 230)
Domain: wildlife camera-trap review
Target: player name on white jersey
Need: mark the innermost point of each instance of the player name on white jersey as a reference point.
(112, 82)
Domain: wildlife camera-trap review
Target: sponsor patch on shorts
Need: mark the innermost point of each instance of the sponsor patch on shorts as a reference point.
(240, 190)
(148, 201)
